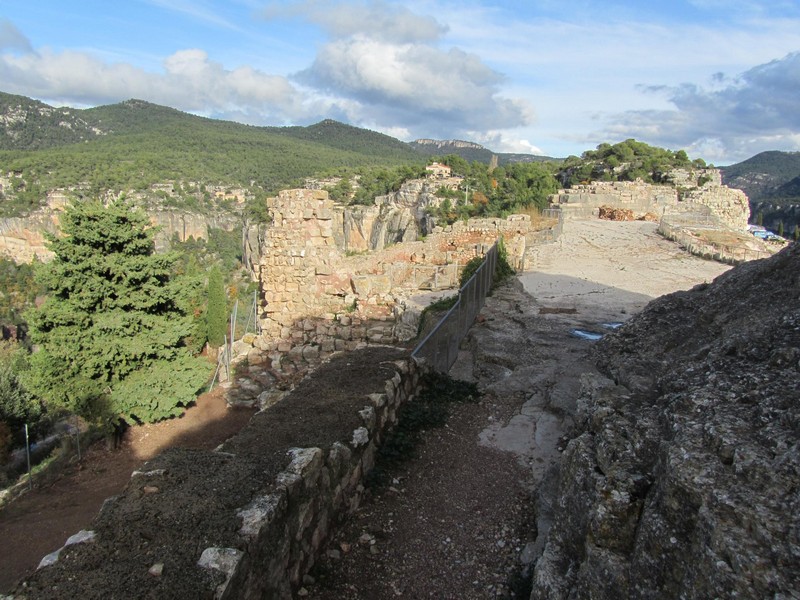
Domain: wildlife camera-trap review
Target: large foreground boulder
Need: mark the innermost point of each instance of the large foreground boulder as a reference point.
(683, 478)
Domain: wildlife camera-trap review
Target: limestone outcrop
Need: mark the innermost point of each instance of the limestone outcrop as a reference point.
(23, 238)
(681, 480)
(394, 218)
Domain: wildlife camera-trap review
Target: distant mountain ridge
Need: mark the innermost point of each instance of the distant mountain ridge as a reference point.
(27, 124)
(471, 151)
(765, 175)
(771, 181)
(133, 145)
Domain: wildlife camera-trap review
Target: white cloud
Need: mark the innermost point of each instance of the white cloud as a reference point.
(190, 82)
(500, 141)
(385, 64)
(392, 23)
(732, 120)
(415, 86)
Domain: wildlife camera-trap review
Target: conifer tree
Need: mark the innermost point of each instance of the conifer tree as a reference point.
(110, 334)
(216, 309)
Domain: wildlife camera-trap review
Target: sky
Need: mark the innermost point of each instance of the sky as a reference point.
(717, 78)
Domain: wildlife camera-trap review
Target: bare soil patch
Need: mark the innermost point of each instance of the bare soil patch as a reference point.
(187, 499)
(40, 521)
(726, 237)
(452, 524)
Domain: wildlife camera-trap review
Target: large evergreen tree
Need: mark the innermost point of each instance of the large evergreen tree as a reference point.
(110, 334)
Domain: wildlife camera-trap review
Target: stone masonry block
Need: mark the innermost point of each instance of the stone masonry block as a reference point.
(368, 417)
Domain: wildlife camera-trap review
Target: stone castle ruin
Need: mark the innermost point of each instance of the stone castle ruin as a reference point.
(699, 192)
(336, 277)
(331, 279)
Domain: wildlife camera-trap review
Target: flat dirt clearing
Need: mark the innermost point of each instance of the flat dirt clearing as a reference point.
(613, 268)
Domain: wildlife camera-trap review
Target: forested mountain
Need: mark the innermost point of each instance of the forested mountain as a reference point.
(771, 181)
(348, 138)
(27, 124)
(470, 151)
(767, 174)
(135, 144)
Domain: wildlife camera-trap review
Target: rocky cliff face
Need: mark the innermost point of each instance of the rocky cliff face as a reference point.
(394, 218)
(23, 238)
(682, 478)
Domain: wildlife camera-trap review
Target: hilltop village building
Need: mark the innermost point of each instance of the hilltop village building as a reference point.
(438, 171)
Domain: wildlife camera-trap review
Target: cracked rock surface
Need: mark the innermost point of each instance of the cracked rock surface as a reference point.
(681, 479)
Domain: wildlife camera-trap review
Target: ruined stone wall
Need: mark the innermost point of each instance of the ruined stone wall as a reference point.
(317, 298)
(634, 195)
(728, 205)
(300, 272)
(247, 520)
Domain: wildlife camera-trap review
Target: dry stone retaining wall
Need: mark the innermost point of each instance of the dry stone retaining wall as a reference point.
(230, 523)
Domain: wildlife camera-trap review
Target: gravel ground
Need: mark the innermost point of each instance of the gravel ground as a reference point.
(452, 524)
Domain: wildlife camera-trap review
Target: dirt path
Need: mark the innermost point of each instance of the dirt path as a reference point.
(40, 521)
(467, 517)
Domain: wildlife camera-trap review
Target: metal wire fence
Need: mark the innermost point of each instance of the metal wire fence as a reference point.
(440, 347)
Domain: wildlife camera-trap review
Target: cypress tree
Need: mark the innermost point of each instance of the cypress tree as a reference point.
(111, 334)
(216, 309)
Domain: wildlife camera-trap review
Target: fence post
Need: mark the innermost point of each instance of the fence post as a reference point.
(78, 437)
(28, 454)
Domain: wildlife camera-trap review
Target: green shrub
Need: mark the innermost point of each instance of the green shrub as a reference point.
(469, 270)
(503, 270)
(111, 333)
